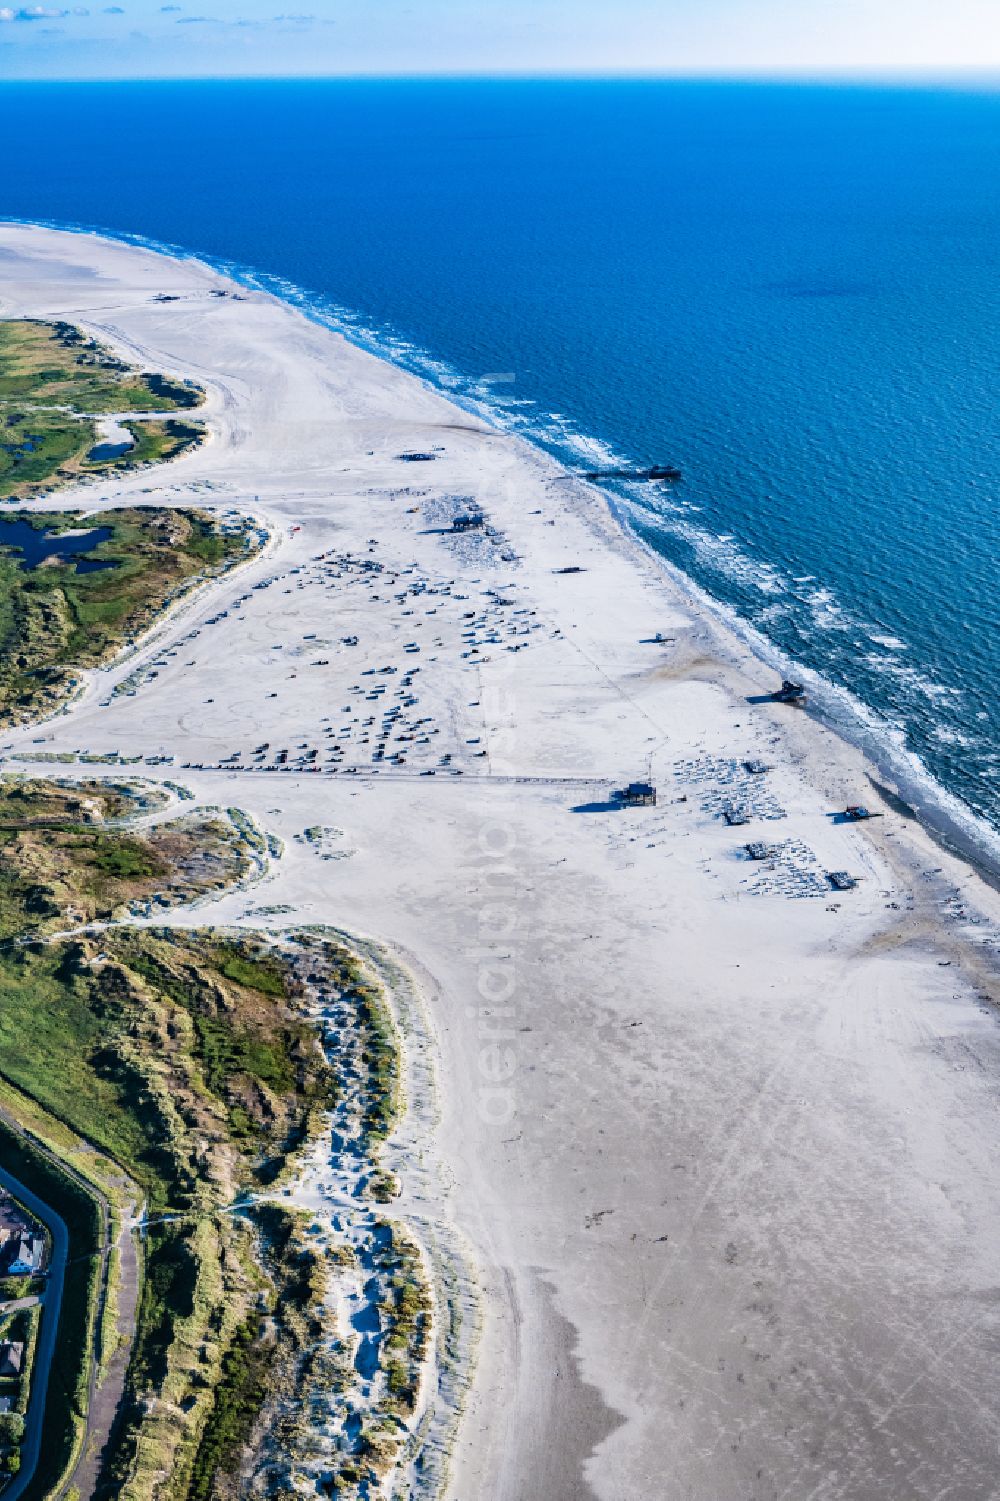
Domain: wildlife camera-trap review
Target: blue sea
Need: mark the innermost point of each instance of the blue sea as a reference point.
(791, 292)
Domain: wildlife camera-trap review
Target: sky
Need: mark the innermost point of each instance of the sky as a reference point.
(239, 38)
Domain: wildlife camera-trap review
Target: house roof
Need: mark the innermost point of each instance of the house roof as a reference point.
(30, 1251)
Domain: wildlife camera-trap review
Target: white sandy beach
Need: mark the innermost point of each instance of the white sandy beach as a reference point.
(722, 1141)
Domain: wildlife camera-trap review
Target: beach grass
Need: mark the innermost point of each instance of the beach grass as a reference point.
(54, 381)
(143, 1044)
(68, 857)
(56, 621)
(155, 441)
(191, 1059)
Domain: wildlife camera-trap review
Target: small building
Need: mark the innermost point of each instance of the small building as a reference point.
(469, 522)
(735, 815)
(841, 880)
(757, 851)
(755, 768)
(11, 1357)
(28, 1256)
(638, 795)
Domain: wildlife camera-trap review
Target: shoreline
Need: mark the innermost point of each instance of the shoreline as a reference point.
(953, 825)
(798, 1071)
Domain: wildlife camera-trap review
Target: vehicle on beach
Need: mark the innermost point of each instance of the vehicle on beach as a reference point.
(789, 693)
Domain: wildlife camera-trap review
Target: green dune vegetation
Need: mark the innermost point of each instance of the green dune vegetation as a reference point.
(56, 620)
(64, 607)
(69, 858)
(182, 1069)
(54, 381)
(203, 1087)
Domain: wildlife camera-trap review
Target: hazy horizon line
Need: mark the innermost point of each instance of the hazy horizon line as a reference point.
(846, 75)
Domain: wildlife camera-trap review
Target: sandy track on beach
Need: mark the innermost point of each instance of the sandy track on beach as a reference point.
(726, 1152)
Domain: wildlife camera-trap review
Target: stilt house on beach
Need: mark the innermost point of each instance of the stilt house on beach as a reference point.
(637, 795)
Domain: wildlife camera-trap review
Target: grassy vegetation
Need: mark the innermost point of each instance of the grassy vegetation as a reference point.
(191, 1059)
(197, 1292)
(188, 1058)
(52, 1023)
(198, 1084)
(246, 1072)
(257, 1056)
(27, 803)
(263, 974)
(53, 380)
(154, 442)
(272, 1360)
(100, 1174)
(55, 621)
(63, 859)
(140, 1041)
(168, 1293)
(381, 1056)
(245, 1381)
(406, 1312)
(124, 1038)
